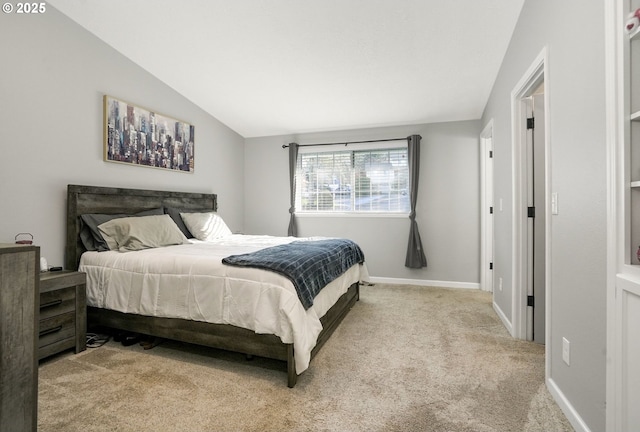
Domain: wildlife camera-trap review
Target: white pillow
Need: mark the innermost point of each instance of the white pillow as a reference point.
(141, 232)
(205, 226)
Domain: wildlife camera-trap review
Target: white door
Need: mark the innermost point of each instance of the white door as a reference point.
(535, 178)
(534, 122)
(486, 172)
(539, 222)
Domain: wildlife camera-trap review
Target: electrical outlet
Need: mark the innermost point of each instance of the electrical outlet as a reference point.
(500, 284)
(554, 203)
(566, 351)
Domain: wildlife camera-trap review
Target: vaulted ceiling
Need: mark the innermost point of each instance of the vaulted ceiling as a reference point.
(271, 67)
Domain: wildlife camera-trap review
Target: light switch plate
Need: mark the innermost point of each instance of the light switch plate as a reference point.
(554, 203)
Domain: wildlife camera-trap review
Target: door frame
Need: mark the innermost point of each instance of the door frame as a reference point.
(486, 201)
(537, 73)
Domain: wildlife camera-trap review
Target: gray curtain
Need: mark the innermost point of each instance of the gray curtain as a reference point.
(293, 162)
(415, 253)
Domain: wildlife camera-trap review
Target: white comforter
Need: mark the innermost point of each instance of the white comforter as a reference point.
(190, 282)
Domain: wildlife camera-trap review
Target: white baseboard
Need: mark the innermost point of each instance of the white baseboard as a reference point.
(572, 415)
(503, 318)
(422, 282)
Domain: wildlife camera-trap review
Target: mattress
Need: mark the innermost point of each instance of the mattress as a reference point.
(190, 282)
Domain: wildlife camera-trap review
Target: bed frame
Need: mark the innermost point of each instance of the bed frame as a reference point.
(92, 199)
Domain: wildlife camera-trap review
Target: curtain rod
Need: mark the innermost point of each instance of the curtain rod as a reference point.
(346, 143)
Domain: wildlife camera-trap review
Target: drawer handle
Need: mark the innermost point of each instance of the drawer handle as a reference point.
(53, 303)
(53, 330)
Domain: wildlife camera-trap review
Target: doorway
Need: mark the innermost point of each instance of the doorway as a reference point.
(531, 233)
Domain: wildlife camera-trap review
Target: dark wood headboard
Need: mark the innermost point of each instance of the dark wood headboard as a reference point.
(105, 200)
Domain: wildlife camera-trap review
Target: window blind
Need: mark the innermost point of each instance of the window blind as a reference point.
(360, 180)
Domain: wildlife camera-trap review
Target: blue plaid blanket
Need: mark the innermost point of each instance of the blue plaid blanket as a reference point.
(309, 264)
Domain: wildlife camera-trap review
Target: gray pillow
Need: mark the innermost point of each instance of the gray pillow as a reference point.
(174, 213)
(137, 233)
(91, 237)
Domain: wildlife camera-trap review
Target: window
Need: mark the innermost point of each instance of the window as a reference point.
(373, 180)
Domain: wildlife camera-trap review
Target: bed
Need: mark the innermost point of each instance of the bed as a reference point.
(230, 329)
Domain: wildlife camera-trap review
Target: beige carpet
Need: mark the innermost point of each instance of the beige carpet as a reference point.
(406, 358)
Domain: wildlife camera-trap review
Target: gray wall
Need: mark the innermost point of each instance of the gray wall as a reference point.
(447, 212)
(54, 74)
(575, 85)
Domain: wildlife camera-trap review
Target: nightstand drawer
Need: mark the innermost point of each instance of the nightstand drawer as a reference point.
(57, 328)
(57, 302)
(63, 312)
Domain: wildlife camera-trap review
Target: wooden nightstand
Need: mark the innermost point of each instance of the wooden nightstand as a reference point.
(19, 268)
(63, 312)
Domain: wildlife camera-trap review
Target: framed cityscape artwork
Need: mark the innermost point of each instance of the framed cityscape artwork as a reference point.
(138, 136)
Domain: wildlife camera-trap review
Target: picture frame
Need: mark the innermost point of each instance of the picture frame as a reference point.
(138, 136)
